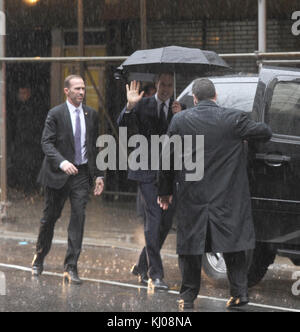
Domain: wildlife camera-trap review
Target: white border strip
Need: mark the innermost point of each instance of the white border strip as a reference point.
(121, 284)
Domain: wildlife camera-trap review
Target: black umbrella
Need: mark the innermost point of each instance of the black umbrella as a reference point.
(120, 73)
(174, 59)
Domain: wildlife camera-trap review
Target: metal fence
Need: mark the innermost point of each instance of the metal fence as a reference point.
(274, 58)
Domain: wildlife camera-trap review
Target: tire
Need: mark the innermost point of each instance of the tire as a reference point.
(215, 269)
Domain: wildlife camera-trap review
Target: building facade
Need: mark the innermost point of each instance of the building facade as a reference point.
(113, 28)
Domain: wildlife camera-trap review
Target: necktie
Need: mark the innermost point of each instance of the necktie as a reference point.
(77, 140)
(162, 119)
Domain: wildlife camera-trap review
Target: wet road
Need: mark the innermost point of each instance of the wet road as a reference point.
(109, 287)
(111, 246)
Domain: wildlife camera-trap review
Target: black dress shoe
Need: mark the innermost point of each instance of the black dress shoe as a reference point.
(37, 270)
(237, 301)
(143, 280)
(134, 270)
(37, 266)
(157, 284)
(71, 277)
(182, 304)
(142, 277)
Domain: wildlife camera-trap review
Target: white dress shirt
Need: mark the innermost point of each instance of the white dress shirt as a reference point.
(166, 107)
(72, 110)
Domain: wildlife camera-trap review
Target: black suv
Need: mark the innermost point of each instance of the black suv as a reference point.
(273, 97)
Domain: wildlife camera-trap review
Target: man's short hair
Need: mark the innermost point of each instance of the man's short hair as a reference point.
(204, 89)
(69, 78)
(24, 86)
(161, 74)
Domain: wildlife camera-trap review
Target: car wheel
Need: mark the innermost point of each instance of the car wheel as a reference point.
(214, 266)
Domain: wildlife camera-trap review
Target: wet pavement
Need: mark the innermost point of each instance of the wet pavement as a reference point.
(113, 239)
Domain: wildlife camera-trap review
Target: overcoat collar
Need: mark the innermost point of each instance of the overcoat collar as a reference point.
(205, 103)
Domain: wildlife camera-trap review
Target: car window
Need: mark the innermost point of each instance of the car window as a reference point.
(187, 100)
(230, 95)
(283, 114)
(236, 95)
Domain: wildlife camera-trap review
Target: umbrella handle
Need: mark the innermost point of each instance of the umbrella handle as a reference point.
(174, 86)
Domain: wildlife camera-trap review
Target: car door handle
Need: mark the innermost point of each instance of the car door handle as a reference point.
(274, 160)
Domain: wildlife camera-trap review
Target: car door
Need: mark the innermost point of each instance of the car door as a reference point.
(274, 167)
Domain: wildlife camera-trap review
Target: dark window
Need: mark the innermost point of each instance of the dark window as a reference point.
(284, 111)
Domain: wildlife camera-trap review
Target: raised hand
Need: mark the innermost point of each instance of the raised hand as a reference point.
(133, 95)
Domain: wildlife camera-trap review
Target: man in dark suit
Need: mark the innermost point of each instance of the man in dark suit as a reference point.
(68, 171)
(213, 212)
(150, 116)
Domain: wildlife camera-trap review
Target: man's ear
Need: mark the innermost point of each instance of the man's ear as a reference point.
(66, 91)
(195, 100)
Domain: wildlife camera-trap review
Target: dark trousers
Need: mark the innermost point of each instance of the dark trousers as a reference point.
(237, 264)
(157, 224)
(77, 190)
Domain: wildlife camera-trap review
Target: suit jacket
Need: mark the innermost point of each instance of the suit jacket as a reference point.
(220, 202)
(144, 120)
(58, 145)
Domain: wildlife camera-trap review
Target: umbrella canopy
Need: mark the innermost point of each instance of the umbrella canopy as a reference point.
(174, 59)
(120, 73)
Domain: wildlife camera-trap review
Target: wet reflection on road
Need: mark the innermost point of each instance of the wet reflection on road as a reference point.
(112, 242)
(110, 287)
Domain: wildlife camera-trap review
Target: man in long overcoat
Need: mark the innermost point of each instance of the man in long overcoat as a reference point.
(214, 213)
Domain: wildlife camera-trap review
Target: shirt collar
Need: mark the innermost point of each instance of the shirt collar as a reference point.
(159, 102)
(72, 108)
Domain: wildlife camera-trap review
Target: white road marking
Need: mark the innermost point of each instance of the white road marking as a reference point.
(121, 284)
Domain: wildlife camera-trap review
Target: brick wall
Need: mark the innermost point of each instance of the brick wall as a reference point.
(187, 34)
(225, 37)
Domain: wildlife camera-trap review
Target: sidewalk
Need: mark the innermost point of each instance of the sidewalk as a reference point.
(112, 242)
(107, 223)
